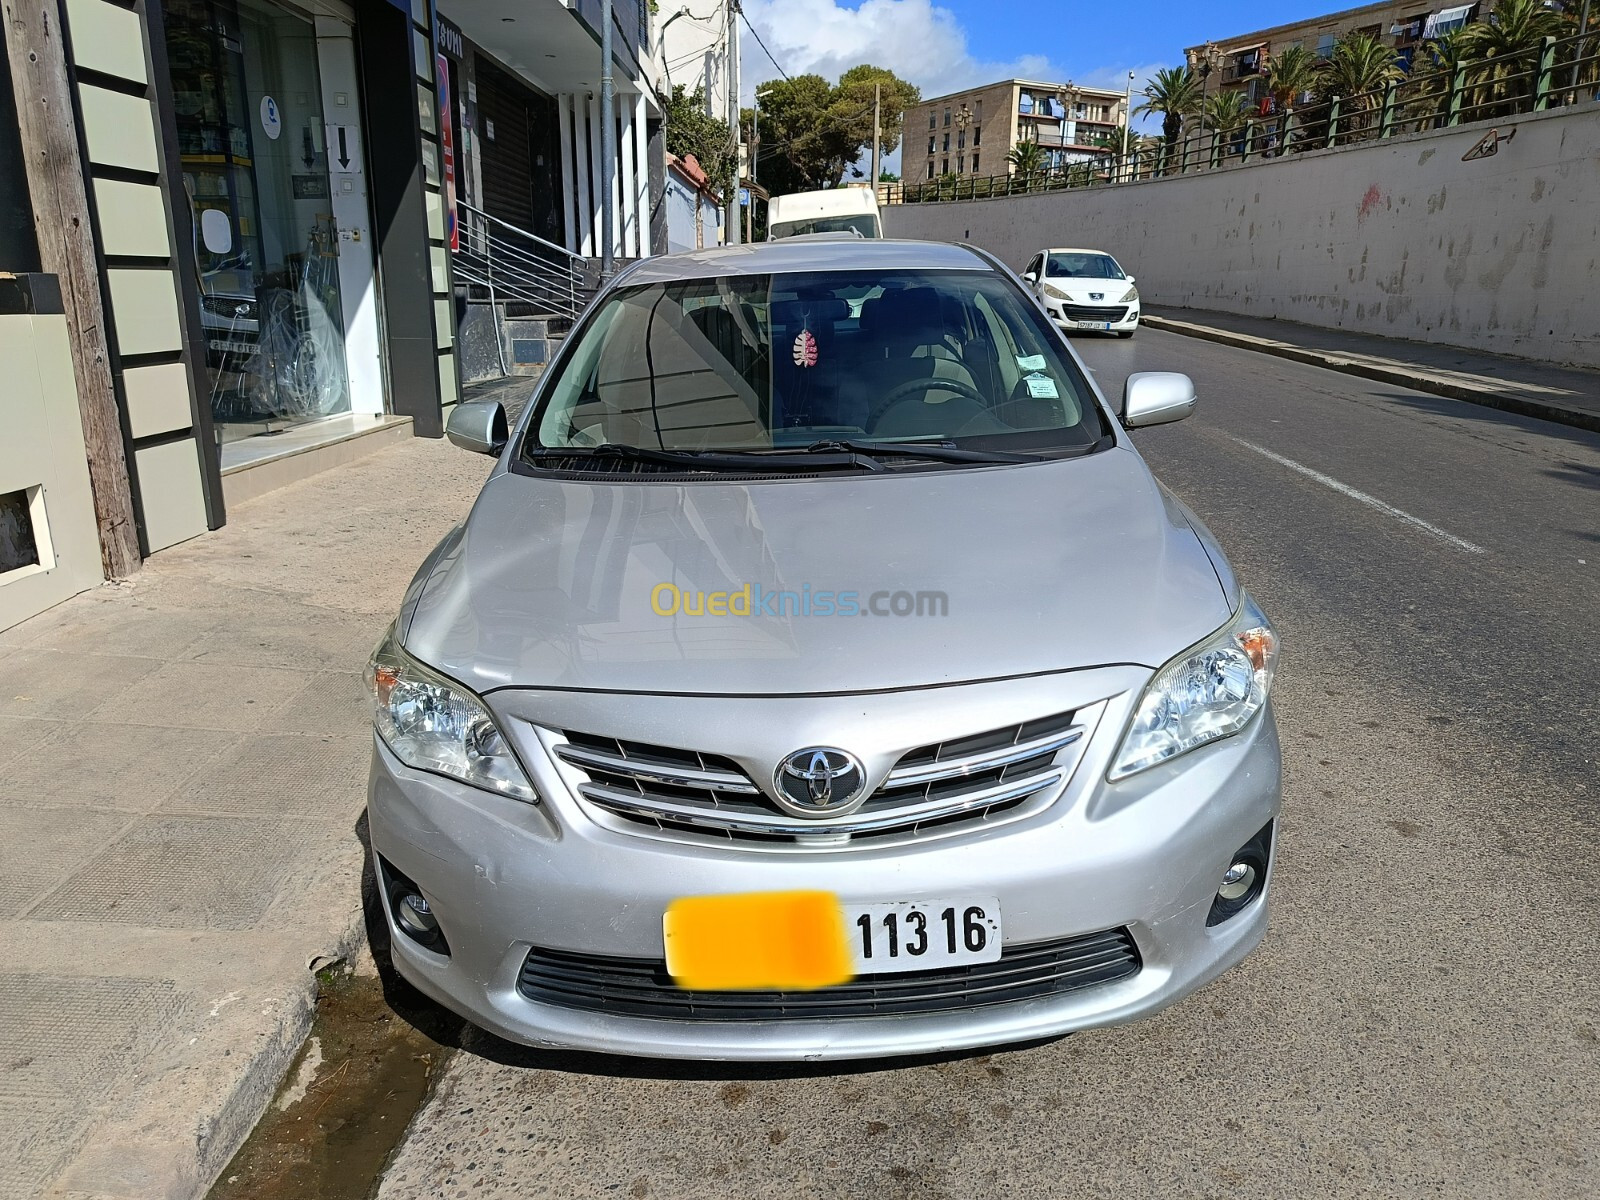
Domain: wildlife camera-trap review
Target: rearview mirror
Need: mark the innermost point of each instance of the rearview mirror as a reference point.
(1130, 279)
(479, 426)
(1155, 398)
(1030, 277)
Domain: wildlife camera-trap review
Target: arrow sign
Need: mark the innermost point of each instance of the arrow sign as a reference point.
(344, 151)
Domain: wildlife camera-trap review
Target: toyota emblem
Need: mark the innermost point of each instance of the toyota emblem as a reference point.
(819, 781)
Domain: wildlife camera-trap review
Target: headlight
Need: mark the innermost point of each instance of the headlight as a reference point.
(1055, 292)
(435, 725)
(1206, 693)
(1133, 294)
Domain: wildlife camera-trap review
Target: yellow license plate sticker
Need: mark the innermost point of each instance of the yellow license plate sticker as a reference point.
(788, 940)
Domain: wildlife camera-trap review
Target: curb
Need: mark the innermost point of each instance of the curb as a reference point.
(1540, 409)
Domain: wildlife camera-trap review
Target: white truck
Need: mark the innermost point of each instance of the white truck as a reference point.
(835, 210)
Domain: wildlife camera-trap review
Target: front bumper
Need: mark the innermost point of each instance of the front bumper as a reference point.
(1146, 854)
(1081, 319)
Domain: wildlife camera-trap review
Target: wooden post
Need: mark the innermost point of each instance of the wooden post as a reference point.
(60, 201)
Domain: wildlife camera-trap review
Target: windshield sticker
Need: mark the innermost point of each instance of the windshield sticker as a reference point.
(1041, 387)
(805, 349)
(1031, 362)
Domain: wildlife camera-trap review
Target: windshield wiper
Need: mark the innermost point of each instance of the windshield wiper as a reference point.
(708, 460)
(940, 451)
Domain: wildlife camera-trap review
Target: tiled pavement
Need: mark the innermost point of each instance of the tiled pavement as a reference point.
(182, 764)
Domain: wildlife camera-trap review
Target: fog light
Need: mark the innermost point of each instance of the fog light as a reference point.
(413, 915)
(1242, 882)
(1241, 877)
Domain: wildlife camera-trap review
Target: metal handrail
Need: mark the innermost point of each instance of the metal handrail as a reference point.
(1558, 73)
(516, 265)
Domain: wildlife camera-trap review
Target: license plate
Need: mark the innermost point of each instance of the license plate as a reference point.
(803, 940)
(1104, 326)
(923, 935)
(232, 347)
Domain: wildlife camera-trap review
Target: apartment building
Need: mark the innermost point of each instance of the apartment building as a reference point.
(1241, 62)
(971, 132)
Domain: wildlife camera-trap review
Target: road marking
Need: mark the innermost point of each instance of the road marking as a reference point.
(1345, 489)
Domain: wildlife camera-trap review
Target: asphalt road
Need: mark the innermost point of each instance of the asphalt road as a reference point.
(1424, 1016)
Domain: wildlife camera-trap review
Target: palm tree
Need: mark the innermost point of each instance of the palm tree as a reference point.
(1359, 69)
(1026, 159)
(1291, 74)
(1433, 72)
(1225, 111)
(1173, 94)
(1511, 35)
(1514, 27)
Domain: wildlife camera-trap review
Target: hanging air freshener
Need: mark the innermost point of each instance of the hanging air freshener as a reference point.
(805, 349)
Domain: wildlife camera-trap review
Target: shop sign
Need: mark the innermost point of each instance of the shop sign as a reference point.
(271, 118)
(447, 144)
(448, 37)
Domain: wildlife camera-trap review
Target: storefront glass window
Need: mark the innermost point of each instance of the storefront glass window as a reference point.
(255, 168)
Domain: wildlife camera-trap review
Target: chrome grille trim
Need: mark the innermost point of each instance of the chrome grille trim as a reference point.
(938, 789)
(588, 758)
(724, 820)
(956, 767)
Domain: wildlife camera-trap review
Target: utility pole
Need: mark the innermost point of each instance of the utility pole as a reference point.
(750, 208)
(608, 148)
(731, 221)
(877, 134)
(1583, 32)
(1127, 124)
(49, 135)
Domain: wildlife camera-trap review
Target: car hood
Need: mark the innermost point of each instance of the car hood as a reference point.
(1042, 567)
(1084, 291)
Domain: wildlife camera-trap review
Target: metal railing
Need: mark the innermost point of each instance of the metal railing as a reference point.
(515, 266)
(1557, 73)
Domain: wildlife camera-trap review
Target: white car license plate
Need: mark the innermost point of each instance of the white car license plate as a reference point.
(922, 935)
(1104, 326)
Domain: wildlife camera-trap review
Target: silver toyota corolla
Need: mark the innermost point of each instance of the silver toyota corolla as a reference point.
(821, 674)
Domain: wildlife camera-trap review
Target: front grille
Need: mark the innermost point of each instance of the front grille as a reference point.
(1094, 312)
(233, 308)
(641, 987)
(941, 785)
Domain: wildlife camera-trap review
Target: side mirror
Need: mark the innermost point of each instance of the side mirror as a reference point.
(1130, 279)
(1030, 277)
(1155, 398)
(479, 426)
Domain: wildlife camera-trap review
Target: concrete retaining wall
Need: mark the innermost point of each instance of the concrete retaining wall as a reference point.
(1399, 238)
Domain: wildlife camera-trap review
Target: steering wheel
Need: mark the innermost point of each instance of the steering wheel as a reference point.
(902, 395)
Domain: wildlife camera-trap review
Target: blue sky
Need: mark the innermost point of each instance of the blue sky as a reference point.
(944, 45)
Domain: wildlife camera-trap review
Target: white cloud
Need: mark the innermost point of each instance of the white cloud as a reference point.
(916, 39)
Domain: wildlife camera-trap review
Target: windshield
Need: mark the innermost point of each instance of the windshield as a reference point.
(768, 362)
(1073, 265)
(863, 224)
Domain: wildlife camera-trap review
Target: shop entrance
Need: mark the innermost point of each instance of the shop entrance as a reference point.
(254, 142)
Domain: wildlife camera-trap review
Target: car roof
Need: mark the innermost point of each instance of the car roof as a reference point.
(809, 254)
(1075, 250)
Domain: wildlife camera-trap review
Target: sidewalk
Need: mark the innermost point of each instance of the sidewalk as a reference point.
(1566, 395)
(182, 768)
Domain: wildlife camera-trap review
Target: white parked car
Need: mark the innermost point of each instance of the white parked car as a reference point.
(1084, 289)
